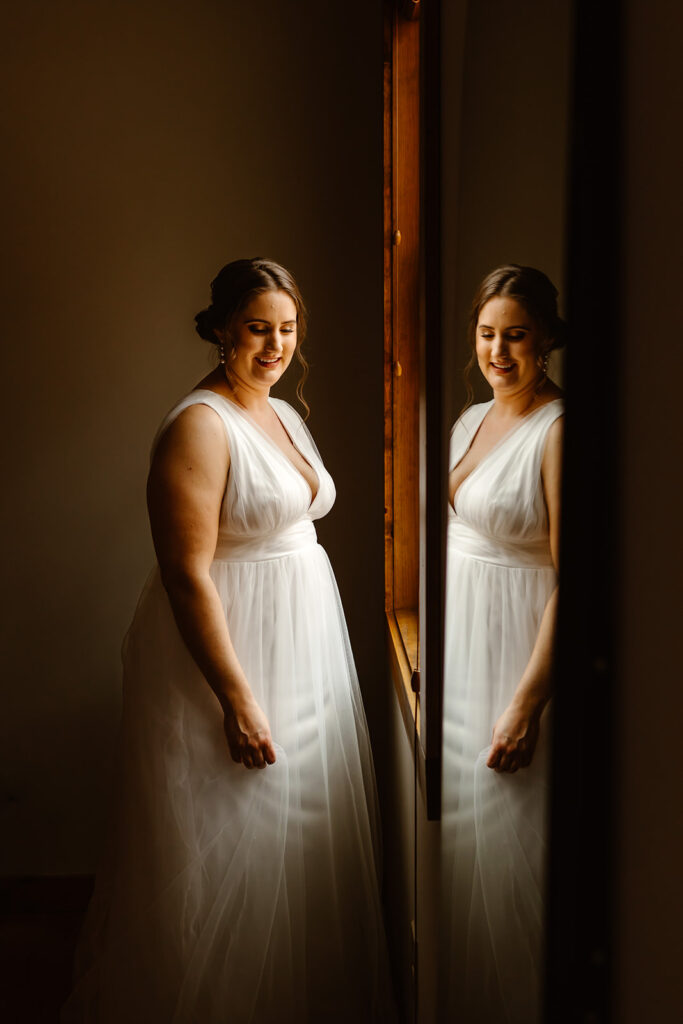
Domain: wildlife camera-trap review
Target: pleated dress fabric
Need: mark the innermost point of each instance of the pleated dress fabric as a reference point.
(499, 578)
(232, 895)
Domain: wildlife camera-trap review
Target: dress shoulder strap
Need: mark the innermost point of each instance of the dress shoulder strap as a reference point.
(553, 410)
(295, 425)
(546, 416)
(532, 442)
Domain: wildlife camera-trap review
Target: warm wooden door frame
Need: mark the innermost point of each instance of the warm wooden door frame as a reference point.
(414, 464)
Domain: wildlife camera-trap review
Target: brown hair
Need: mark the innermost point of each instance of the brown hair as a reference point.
(533, 290)
(235, 285)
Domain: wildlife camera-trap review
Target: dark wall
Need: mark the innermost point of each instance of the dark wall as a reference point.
(649, 981)
(506, 95)
(146, 144)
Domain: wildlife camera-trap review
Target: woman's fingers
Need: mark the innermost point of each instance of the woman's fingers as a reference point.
(504, 763)
(493, 758)
(258, 755)
(507, 755)
(257, 758)
(248, 735)
(249, 757)
(513, 742)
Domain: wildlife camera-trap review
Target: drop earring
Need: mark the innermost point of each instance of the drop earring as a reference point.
(221, 353)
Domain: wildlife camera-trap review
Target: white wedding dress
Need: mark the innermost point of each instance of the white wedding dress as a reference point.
(499, 577)
(230, 895)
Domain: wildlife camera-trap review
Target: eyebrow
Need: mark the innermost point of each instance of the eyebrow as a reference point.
(258, 320)
(511, 327)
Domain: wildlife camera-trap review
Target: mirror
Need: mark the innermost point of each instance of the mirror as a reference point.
(505, 125)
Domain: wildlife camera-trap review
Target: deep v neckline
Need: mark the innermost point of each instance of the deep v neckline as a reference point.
(252, 422)
(508, 434)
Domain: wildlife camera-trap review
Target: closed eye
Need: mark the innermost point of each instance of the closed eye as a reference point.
(265, 329)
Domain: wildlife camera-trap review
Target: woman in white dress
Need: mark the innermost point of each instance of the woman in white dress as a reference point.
(241, 879)
(501, 597)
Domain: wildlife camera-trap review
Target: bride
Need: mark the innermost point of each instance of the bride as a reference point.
(501, 595)
(241, 876)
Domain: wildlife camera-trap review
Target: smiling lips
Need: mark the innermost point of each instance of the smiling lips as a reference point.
(268, 363)
(503, 367)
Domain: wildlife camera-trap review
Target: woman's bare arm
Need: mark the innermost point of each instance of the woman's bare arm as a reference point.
(185, 488)
(516, 732)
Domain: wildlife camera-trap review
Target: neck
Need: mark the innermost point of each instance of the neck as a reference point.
(253, 399)
(518, 403)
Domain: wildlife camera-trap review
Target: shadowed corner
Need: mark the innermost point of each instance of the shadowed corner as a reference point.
(40, 921)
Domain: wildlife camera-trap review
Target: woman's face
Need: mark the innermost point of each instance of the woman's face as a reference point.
(509, 344)
(263, 338)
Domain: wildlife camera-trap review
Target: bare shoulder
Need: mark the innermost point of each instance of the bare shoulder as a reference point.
(198, 427)
(186, 485)
(196, 439)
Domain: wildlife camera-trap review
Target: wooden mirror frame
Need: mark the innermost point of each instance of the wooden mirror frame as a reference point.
(415, 519)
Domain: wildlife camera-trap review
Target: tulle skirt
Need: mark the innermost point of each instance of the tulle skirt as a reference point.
(494, 825)
(228, 894)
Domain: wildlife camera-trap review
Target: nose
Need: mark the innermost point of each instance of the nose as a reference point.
(273, 343)
(499, 346)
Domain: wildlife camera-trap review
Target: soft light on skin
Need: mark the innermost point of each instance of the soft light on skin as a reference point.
(260, 343)
(508, 345)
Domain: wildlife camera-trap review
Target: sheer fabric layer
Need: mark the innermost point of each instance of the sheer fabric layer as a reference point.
(230, 894)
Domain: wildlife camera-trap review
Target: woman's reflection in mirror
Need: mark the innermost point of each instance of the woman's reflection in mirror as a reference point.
(501, 595)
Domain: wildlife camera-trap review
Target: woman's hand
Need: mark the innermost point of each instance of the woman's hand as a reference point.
(248, 735)
(515, 735)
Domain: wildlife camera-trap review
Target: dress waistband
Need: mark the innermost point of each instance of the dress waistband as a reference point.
(267, 546)
(467, 541)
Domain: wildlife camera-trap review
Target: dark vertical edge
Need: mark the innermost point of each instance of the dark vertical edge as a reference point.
(388, 294)
(578, 966)
(433, 449)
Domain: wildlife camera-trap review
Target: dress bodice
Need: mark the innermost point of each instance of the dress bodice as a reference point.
(499, 511)
(267, 509)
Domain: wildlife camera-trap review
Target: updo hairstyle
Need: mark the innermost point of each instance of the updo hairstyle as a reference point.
(533, 290)
(233, 288)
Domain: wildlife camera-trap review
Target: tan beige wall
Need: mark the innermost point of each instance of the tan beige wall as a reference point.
(146, 144)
